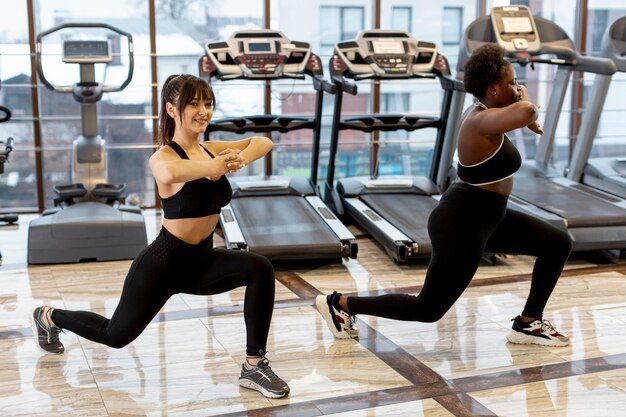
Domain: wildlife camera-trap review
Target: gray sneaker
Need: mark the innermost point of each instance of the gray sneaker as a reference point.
(46, 337)
(261, 378)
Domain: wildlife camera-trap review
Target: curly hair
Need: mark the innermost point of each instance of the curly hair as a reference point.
(483, 68)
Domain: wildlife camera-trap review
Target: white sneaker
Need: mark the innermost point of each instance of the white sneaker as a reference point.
(340, 322)
(538, 332)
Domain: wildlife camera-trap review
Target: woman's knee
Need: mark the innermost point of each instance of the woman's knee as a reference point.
(433, 315)
(118, 343)
(116, 339)
(559, 242)
(260, 268)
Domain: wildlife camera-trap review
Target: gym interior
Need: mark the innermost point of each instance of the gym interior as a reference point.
(362, 101)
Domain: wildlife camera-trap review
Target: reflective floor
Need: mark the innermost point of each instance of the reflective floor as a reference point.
(187, 361)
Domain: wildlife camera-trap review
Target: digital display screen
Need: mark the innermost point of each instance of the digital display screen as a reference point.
(95, 49)
(382, 47)
(517, 25)
(260, 47)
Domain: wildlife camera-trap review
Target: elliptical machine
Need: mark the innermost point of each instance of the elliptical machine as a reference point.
(4, 157)
(90, 220)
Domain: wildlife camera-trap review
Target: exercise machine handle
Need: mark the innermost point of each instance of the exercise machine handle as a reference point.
(7, 114)
(68, 89)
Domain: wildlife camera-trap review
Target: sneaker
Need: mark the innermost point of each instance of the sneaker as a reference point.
(46, 337)
(539, 332)
(340, 323)
(261, 378)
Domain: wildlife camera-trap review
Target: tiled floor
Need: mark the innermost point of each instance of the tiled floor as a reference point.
(187, 361)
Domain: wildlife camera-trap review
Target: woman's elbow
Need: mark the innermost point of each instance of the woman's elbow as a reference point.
(267, 143)
(163, 175)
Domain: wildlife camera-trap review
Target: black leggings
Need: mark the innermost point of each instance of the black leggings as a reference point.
(170, 266)
(468, 222)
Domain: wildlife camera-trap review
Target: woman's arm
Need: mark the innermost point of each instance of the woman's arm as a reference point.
(168, 168)
(504, 119)
(522, 113)
(249, 149)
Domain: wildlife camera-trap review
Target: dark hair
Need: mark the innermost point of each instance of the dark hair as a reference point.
(483, 68)
(180, 90)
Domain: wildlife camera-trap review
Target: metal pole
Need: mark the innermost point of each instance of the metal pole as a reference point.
(577, 79)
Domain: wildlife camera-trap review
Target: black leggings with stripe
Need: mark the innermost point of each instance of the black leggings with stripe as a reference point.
(170, 266)
(468, 222)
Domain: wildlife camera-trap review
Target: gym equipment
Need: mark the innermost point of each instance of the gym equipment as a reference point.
(90, 221)
(279, 217)
(595, 220)
(4, 157)
(606, 174)
(394, 209)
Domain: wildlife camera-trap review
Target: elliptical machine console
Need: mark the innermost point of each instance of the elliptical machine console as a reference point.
(90, 220)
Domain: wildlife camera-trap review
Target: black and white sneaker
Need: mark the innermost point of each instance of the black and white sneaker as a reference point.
(46, 337)
(261, 378)
(340, 322)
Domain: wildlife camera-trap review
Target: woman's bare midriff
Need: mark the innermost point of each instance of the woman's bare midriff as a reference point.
(192, 231)
(503, 187)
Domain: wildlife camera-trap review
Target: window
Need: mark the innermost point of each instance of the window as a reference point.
(339, 24)
(401, 18)
(452, 25)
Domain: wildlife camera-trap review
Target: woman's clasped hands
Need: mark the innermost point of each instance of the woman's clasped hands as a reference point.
(232, 160)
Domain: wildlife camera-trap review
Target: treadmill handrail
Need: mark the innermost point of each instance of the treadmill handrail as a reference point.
(569, 57)
(261, 123)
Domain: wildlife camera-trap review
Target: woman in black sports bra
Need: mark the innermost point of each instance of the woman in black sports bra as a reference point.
(191, 182)
(472, 217)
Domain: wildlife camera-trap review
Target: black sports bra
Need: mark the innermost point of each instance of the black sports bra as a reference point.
(198, 198)
(502, 164)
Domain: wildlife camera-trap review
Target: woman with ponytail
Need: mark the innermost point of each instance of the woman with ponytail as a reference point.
(191, 181)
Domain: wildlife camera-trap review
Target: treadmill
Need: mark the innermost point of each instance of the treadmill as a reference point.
(394, 209)
(606, 174)
(594, 220)
(90, 220)
(280, 217)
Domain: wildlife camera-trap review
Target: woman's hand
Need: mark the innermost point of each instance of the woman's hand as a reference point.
(229, 161)
(535, 127)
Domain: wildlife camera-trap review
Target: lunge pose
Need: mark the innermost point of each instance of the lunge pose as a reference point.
(192, 186)
(472, 217)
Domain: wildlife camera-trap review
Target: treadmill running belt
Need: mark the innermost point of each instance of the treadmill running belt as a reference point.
(577, 207)
(407, 212)
(285, 227)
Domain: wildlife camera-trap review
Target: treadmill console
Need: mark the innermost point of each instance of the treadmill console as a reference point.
(86, 52)
(514, 28)
(386, 54)
(259, 54)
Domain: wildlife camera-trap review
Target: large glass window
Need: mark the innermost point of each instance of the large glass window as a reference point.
(123, 118)
(452, 26)
(126, 119)
(401, 18)
(18, 184)
(339, 23)
(610, 140)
